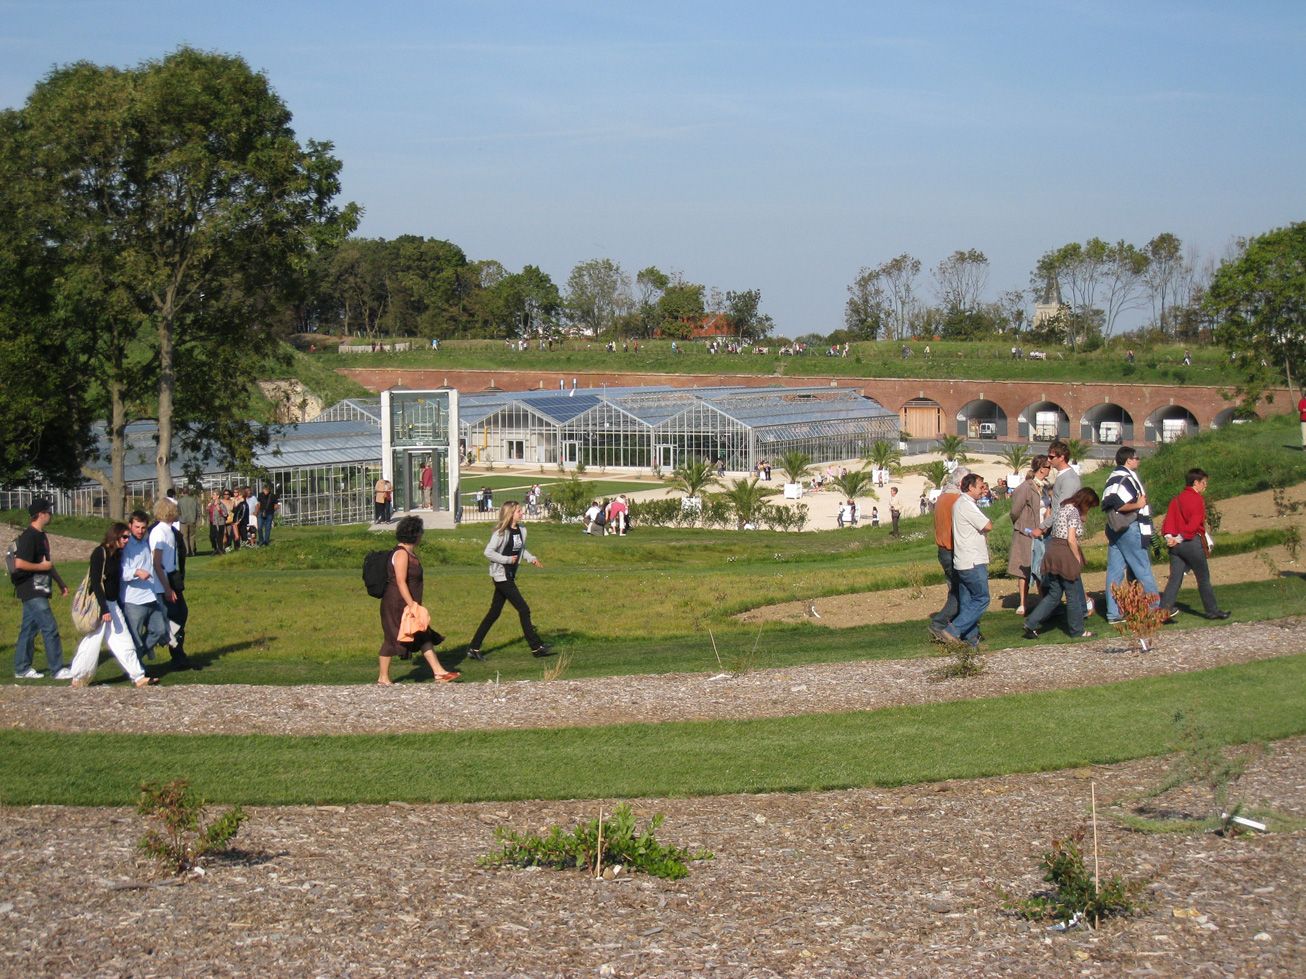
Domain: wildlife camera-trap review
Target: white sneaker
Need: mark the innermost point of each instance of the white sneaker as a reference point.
(64, 674)
(31, 674)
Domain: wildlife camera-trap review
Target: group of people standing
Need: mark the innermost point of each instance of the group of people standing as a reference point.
(237, 518)
(137, 578)
(405, 622)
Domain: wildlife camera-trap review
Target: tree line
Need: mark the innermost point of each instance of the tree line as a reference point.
(1079, 292)
(412, 286)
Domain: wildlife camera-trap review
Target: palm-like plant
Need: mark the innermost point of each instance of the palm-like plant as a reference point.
(883, 454)
(952, 447)
(746, 499)
(692, 477)
(1016, 456)
(1076, 449)
(937, 473)
(855, 483)
(795, 465)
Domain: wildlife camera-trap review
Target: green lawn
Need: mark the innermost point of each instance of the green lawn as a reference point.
(950, 360)
(895, 746)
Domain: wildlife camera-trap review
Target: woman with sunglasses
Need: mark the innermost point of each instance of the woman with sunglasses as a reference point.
(106, 580)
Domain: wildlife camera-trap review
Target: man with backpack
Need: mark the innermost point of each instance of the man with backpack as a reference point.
(32, 573)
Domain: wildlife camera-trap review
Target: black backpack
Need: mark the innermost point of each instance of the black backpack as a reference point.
(376, 572)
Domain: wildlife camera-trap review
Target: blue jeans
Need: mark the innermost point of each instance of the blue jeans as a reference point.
(38, 617)
(953, 602)
(1127, 554)
(148, 620)
(1053, 587)
(265, 528)
(973, 601)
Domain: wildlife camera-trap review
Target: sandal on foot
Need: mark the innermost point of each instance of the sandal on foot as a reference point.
(1087, 635)
(148, 681)
(446, 677)
(1020, 610)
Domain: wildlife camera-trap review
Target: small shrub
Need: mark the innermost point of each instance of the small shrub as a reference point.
(1284, 506)
(182, 839)
(1292, 541)
(966, 662)
(621, 843)
(1140, 619)
(1201, 759)
(1075, 891)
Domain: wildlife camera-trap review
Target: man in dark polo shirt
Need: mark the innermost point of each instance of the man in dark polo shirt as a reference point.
(33, 572)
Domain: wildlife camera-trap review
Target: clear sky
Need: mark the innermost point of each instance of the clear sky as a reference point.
(778, 146)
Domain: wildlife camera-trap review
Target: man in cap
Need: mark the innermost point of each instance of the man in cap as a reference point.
(33, 572)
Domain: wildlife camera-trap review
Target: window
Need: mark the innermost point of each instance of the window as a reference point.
(516, 449)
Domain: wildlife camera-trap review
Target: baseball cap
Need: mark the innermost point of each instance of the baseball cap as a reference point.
(38, 506)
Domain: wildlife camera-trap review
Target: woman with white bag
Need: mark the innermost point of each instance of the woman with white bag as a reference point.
(105, 579)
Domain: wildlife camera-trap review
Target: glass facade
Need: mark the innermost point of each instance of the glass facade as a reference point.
(639, 428)
(419, 429)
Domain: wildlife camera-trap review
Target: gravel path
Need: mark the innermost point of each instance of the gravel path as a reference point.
(824, 688)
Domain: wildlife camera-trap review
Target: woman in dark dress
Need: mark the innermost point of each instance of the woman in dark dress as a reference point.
(403, 591)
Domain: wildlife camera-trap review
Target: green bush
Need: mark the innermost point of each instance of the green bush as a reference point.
(593, 846)
(1075, 892)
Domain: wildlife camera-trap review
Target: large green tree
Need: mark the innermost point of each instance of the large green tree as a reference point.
(1259, 302)
(180, 208)
(598, 293)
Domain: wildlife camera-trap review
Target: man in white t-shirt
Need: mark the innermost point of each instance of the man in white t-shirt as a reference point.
(970, 563)
(170, 571)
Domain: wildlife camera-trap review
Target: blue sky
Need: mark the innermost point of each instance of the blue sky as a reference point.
(778, 146)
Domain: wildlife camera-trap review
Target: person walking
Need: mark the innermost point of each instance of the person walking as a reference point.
(970, 562)
(33, 572)
(1026, 507)
(1189, 541)
(105, 577)
(1301, 410)
(405, 624)
(170, 568)
(943, 543)
(142, 606)
(506, 551)
(895, 508)
(381, 499)
(1065, 484)
(1128, 531)
(1063, 568)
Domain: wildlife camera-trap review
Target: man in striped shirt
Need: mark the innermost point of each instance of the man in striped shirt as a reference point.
(1128, 530)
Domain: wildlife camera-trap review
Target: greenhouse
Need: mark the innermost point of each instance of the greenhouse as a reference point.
(323, 470)
(644, 427)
